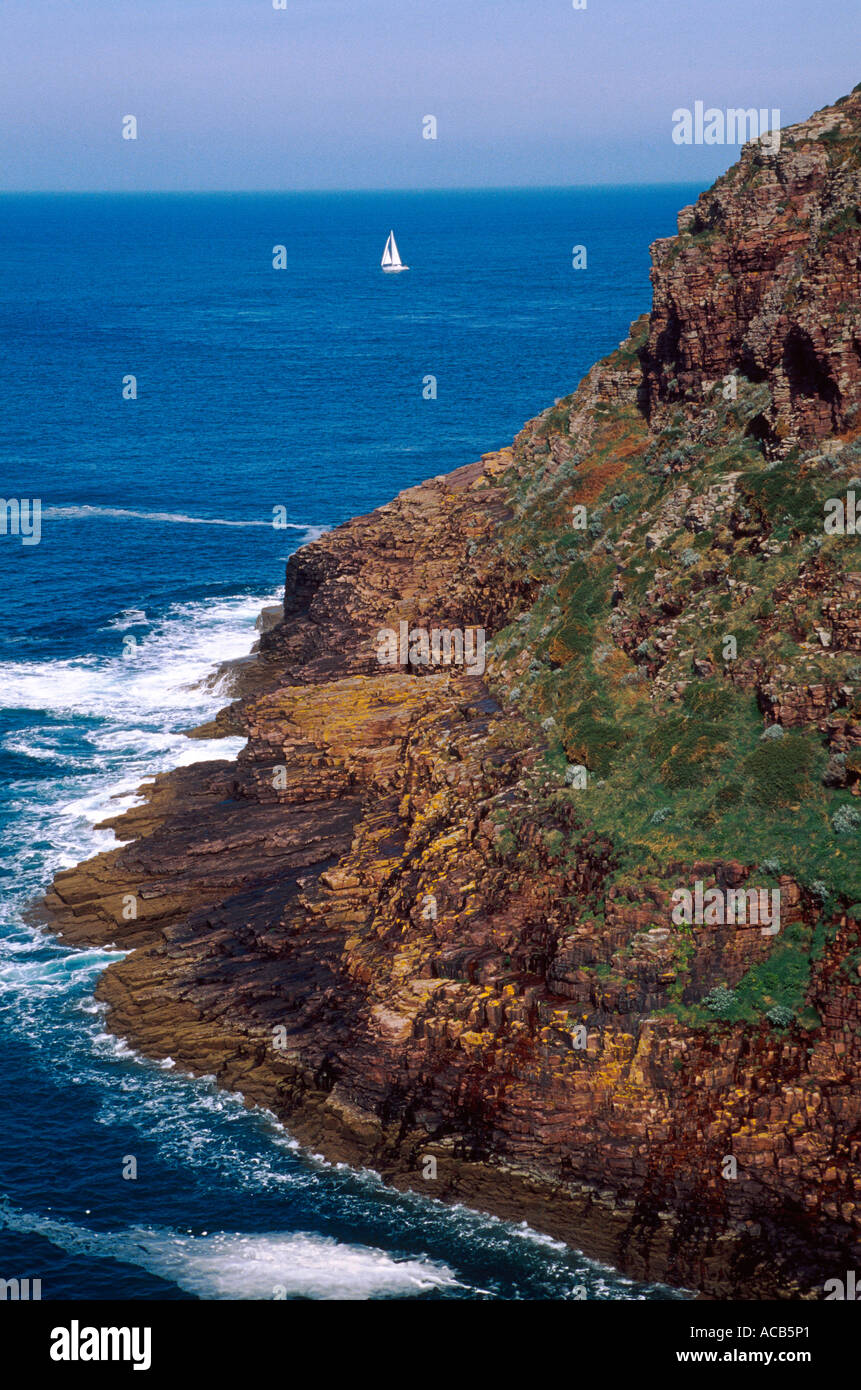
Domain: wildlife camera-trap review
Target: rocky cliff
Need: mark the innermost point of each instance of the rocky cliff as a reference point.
(430, 914)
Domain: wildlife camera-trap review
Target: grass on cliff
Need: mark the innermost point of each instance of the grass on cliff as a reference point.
(700, 781)
(678, 774)
(774, 989)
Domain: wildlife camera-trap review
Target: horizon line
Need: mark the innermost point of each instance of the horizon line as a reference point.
(280, 192)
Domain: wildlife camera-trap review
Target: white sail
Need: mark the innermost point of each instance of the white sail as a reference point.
(391, 255)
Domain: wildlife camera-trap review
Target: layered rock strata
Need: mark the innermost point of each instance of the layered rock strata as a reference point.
(424, 916)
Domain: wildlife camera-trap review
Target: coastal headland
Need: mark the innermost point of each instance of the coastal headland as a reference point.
(427, 915)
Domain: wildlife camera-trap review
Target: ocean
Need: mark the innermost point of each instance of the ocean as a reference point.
(303, 389)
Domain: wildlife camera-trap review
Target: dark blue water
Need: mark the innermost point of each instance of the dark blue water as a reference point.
(257, 389)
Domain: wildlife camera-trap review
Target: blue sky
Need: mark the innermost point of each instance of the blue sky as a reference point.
(232, 94)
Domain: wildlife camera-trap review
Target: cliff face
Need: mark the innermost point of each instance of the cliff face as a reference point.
(764, 278)
(429, 914)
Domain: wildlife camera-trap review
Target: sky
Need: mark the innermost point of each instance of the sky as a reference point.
(331, 94)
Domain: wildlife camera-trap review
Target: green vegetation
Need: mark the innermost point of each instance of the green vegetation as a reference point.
(583, 660)
(643, 555)
(774, 989)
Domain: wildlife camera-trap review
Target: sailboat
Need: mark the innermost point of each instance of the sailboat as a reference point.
(392, 256)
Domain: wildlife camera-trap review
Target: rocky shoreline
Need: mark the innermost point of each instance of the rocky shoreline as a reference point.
(400, 920)
(171, 997)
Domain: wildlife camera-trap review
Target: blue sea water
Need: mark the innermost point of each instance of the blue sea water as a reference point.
(257, 388)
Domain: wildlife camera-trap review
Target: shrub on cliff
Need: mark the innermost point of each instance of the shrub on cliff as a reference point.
(846, 819)
(780, 1016)
(784, 498)
(686, 750)
(711, 701)
(594, 742)
(720, 1001)
(780, 771)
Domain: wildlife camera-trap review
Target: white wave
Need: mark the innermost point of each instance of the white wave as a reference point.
(133, 712)
(161, 677)
(110, 801)
(180, 518)
(129, 617)
(201, 750)
(266, 1266)
(225, 1265)
(26, 972)
(41, 750)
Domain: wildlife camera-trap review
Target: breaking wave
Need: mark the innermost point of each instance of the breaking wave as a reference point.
(178, 518)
